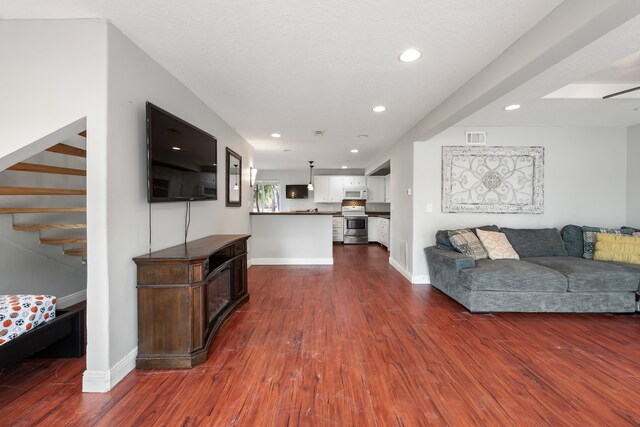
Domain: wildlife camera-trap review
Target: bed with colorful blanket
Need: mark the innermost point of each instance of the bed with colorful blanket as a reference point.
(31, 325)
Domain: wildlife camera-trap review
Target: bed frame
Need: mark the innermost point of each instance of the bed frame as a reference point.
(61, 337)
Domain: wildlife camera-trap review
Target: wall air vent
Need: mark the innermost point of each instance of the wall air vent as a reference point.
(318, 133)
(476, 138)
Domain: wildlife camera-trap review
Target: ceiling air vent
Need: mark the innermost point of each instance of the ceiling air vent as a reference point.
(318, 133)
(476, 138)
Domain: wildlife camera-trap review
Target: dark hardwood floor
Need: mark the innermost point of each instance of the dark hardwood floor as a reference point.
(356, 345)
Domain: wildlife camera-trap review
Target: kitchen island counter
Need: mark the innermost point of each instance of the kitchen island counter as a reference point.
(292, 238)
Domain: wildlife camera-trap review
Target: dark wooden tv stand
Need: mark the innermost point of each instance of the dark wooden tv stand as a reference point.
(185, 293)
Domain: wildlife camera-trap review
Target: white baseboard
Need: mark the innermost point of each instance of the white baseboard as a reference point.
(103, 381)
(249, 262)
(395, 264)
(421, 279)
(72, 299)
(292, 261)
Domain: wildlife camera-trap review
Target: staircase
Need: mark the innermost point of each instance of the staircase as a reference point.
(45, 194)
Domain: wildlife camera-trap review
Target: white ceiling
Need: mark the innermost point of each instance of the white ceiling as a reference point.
(294, 67)
(574, 88)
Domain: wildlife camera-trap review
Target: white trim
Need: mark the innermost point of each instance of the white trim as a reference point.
(123, 367)
(292, 261)
(103, 381)
(72, 299)
(395, 264)
(421, 279)
(415, 280)
(249, 262)
(96, 381)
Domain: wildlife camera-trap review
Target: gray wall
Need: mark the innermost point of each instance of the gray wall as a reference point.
(585, 181)
(633, 176)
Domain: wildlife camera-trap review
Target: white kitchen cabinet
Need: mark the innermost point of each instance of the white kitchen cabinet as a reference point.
(387, 188)
(383, 231)
(336, 185)
(321, 189)
(355, 181)
(337, 228)
(373, 229)
(376, 189)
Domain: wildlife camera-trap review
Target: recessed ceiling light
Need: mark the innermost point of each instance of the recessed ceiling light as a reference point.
(512, 107)
(363, 136)
(286, 151)
(176, 148)
(379, 108)
(275, 135)
(355, 150)
(344, 166)
(410, 55)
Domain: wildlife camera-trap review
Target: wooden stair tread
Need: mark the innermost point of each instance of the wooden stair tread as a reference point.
(76, 251)
(62, 240)
(39, 210)
(32, 167)
(68, 150)
(47, 226)
(39, 191)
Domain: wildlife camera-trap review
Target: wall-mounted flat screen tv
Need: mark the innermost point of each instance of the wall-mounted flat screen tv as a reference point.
(297, 191)
(182, 160)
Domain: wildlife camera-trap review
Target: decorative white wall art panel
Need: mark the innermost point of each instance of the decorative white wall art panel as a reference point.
(492, 179)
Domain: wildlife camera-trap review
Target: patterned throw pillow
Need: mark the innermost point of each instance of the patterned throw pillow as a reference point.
(589, 234)
(497, 245)
(467, 243)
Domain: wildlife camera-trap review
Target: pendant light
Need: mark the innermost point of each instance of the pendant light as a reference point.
(310, 186)
(236, 186)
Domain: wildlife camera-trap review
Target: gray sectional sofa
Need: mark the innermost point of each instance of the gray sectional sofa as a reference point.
(545, 279)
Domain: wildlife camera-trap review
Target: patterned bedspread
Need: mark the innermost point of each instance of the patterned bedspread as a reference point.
(21, 313)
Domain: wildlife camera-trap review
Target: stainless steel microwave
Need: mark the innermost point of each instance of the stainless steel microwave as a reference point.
(357, 193)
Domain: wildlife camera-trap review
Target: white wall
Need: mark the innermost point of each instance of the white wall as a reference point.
(134, 78)
(633, 176)
(400, 156)
(54, 73)
(585, 181)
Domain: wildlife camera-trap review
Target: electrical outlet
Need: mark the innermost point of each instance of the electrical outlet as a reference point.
(408, 192)
(429, 207)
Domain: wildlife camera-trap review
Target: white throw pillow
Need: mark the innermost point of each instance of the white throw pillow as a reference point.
(497, 245)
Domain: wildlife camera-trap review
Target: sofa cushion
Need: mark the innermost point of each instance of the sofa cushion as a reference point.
(442, 237)
(610, 247)
(509, 275)
(589, 235)
(592, 276)
(573, 240)
(535, 242)
(467, 243)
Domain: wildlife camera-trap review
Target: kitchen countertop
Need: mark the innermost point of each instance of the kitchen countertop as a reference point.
(386, 215)
(291, 213)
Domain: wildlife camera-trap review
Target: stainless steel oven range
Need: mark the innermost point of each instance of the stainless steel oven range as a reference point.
(355, 226)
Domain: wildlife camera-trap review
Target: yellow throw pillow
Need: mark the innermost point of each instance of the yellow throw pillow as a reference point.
(613, 247)
(497, 245)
